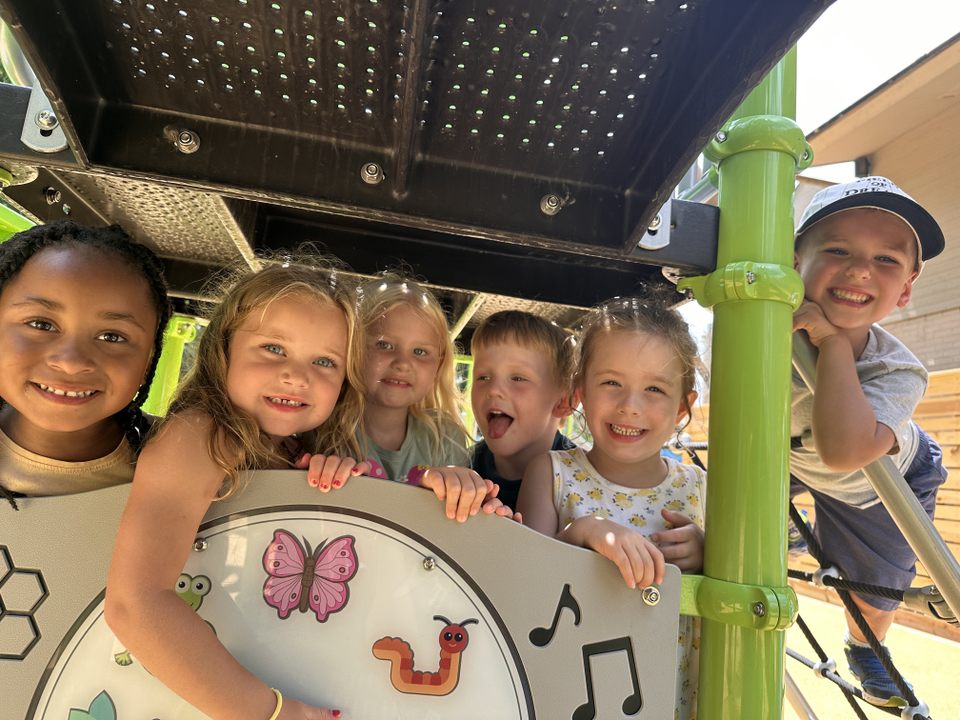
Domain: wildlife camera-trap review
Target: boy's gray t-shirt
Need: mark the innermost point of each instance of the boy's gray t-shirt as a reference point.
(893, 381)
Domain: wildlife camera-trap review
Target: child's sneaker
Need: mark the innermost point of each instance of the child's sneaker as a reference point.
(877, 685)
(796, 545)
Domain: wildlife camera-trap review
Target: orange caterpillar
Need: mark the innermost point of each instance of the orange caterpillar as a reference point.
(453, 641)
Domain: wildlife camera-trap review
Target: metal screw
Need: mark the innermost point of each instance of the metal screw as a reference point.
(550, 204)
(187, 142)
(371, 174)
(655, 223)
(751, 277)
(46, 120)
(806, 155)
(199, 544)
(721, 136)
(650, 595)
(429, 563)
(67, 209)
(52, 195)
(759, 609)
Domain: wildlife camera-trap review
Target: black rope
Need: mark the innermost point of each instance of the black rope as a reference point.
(849, 691)
(857, 587)
(880, 650)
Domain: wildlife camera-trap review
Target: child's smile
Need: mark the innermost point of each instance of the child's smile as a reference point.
(632, 400)
(858, 266)
(403, 358)
(288, 380)
(77, 330)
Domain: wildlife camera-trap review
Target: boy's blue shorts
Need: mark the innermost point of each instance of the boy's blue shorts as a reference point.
(866, 544)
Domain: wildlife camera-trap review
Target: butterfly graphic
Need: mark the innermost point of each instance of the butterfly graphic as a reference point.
(313, 578)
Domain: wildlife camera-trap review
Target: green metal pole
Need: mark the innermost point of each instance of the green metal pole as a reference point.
(180, 330)
(11, 222)
(755, 290)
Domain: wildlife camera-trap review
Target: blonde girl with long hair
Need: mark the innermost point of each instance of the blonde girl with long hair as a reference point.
(412, 431)
(277, 373)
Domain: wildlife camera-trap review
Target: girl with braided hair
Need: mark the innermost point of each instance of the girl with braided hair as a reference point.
(82, 316)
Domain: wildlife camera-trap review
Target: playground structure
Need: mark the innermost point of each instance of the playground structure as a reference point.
(496, 148)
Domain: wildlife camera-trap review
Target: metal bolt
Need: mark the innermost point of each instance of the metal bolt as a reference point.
(655, 223)
(46, 120)
(721, 136)
(51, 195)
(751, 277)
(371, 174)
(806, 155)
(66, 209)
(199, 544)
(550, 204)
(650, 595)
(429, 563)
(759, 609)
(187, 142)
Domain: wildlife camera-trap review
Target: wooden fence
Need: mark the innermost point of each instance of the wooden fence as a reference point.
(939, 415)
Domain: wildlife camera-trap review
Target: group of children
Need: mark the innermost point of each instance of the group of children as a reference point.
(298, 368)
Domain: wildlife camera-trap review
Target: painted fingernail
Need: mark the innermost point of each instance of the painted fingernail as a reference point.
(324, 487)
(312, 483)
(337, 483)
(335, 713)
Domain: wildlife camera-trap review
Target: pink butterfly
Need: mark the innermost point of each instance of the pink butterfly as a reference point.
(318, 578)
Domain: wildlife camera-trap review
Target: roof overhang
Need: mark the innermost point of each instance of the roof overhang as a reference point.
(917, 94)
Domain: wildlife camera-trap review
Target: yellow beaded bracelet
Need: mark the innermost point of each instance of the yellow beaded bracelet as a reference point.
(279, 707)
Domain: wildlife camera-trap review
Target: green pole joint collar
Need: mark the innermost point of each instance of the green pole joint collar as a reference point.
(750, 606)
(746, 281)
(6, 177)
(760, 132)
(181, 328)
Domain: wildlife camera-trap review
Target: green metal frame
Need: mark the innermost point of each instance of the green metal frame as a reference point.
(755, 290)
(11, 222)
(180, 330)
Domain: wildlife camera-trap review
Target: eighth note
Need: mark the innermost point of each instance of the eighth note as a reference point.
(541, 636)
(633, 702)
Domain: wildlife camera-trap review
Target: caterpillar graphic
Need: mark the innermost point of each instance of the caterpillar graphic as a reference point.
(453, 641)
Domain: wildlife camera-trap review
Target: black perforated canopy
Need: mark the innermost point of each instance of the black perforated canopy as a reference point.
(498, 145)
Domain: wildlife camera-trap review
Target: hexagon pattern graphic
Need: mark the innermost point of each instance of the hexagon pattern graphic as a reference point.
(22, 592)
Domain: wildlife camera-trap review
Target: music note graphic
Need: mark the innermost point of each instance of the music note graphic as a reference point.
(633, 703)
(542, 636)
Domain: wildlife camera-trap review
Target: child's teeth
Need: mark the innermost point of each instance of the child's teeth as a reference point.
(851, 296)
(66, 393)
(282, 401)
(620, 430)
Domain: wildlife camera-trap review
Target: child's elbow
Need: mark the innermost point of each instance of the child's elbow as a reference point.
(844, 460)
(118, 613)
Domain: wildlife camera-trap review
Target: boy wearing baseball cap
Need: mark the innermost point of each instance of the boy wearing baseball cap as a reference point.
(859, 248)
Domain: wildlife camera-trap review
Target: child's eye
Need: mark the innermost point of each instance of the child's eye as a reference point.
(518, 378)
(383, 345)
(44, 325)
(655, 389)
(273, 349)
(421, 352)
(835, 250)
(325, 362)
(111, 337)
(480, 378)
(888, 260)
(611, 383)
